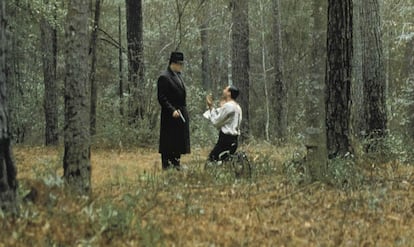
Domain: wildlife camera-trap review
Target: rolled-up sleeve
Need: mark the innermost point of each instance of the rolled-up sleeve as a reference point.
(220, 116)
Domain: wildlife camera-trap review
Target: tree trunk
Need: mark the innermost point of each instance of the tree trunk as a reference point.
(240, 65)
(338, 77)
(279, 89)
(76, 160)
(373, 74)
(264, 70)
(315, 132)
(357, 87)
(120, 65)
(409, 72)
(48, 42)
(135, 58)
(8, 171)
(205, 60)
(94, 86)
(180, 8)
(203, 20)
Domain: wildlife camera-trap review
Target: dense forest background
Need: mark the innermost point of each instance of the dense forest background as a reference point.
(203, 31)
(327, 132)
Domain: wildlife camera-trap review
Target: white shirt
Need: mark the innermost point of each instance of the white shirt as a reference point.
(227, 118)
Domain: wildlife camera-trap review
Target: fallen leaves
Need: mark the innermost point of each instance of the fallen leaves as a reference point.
(134, 203)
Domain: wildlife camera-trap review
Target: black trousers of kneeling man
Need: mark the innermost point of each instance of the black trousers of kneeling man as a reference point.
(225, 144)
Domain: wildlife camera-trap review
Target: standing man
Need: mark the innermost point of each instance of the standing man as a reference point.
(174, 131)
(227, 118)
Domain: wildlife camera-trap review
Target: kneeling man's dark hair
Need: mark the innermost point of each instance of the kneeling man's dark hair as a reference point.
(234, 91)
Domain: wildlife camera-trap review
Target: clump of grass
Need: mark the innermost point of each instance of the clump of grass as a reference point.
(344, 173)
(295, 168)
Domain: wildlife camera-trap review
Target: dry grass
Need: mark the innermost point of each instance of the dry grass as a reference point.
(135, 204)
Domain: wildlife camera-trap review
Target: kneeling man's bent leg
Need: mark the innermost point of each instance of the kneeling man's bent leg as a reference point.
(224, 143)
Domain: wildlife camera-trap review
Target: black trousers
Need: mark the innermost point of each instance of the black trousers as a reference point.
(226, 144)
(170, 161)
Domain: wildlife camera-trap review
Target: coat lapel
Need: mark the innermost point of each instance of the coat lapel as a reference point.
(177, 80)
(181, 81)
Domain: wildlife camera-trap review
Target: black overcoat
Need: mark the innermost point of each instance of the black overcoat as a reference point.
(174, 132)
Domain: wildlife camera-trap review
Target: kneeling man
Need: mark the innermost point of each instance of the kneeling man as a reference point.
(227, 118)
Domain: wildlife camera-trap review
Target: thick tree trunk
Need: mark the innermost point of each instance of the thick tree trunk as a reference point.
(338, 77)
(48, 42)
(94, 86)
(135, 58)
(8, 171)
(240, 58)
(373, 74)
(279, 90)
(76, 160)
(315, 132)
(357, 87)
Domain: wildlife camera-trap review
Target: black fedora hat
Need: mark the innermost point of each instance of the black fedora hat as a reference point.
(177, 57)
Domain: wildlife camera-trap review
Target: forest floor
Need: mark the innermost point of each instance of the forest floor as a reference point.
(134, 203)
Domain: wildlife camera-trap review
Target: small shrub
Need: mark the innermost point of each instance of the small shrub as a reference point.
(343, 173)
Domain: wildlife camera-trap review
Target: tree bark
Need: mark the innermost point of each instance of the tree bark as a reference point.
(120, 65)
(76, 160)
(135, 58)
(264, 71)
(315, 132)
(408, 69)
(94, 86)
(205, 51)
(409, 72)
(8, 171)
(48, 42)
(279, 88)
(240, 65)
(357, 87)
(373, 74)
(338, 77)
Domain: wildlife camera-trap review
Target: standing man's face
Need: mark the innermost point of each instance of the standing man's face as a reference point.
(177, 67)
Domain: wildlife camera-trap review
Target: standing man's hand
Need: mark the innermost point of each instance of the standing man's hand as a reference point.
(209, 100)
(176, 114)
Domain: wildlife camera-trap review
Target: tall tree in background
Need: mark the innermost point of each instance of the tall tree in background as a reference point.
(373, 73)
(93, 47)
(48, 42)
(338, 77)
(409, 74)
(205, 51)
(135, 58)
(120, 64)
(279, 90)
(76, 160)
(264, 69)
(8, 171)
(315, 132)
(180, 7)
(240, 57)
